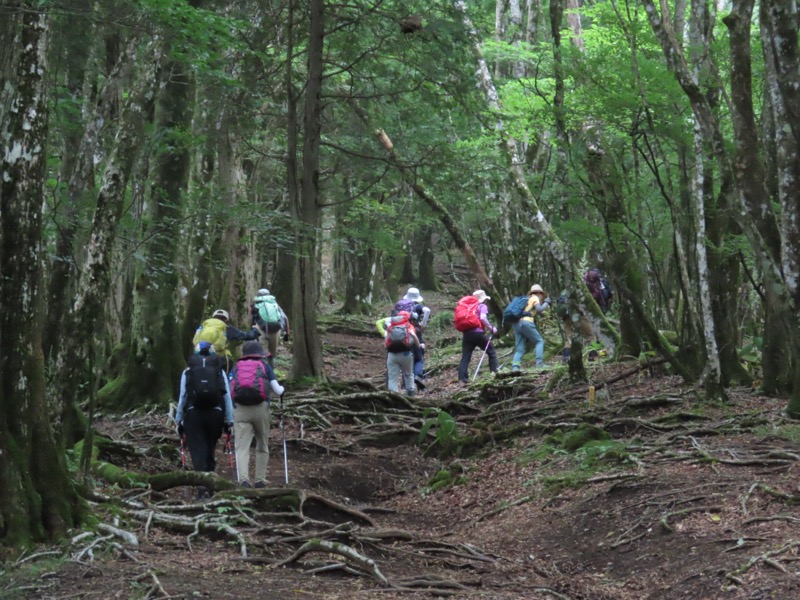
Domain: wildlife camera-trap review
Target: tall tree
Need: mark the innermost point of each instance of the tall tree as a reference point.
(307, 343)
(36, 496)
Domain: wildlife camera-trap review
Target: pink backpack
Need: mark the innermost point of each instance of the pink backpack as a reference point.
(249, 380)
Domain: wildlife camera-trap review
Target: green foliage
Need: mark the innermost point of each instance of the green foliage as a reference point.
(444, 426)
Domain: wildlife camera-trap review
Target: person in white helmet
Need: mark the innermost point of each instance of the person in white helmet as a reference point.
(219, 333)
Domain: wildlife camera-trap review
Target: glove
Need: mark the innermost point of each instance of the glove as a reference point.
(548, 301)
(180, 429)
(228, 428)
(494, 330)
(285, 337)
(422, 346)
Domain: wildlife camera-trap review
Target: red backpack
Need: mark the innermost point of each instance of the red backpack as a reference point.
(249, 380)
(466, 316)
(398, 334)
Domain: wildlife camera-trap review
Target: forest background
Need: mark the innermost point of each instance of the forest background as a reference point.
(164, 158)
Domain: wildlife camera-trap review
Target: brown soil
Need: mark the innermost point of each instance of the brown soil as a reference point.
(700, 502)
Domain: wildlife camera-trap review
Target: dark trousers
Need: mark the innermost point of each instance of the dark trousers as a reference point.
(470, 341)
(203, 427)
(419, 357)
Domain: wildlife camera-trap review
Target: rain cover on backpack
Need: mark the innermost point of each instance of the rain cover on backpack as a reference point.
(268, 309)
(249, 381)
(204, 386)
(466, 316)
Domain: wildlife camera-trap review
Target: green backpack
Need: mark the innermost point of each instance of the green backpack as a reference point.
(268, 309)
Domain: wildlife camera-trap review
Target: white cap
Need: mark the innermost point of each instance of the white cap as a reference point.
(263, 292)
(536, 288)
(221, 313)
(481, 295)
(413, 294)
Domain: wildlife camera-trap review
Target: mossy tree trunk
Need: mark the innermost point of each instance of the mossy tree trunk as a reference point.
(156, 355)
(37, 500)
(78, 357)
(307, 343)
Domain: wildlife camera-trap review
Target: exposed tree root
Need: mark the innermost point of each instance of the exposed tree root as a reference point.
(317, 545)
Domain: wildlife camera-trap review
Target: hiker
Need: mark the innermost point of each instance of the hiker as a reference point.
(401, 338)
(600, 288)
(525, 328)
(584, 326)
(218, 332)
(269, 317)
(472, 319)
(412, 303)
(251, 379)
(204, 408)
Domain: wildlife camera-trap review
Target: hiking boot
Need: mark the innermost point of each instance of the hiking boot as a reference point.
(245, 484)
(515, 369)
(260, 484)
(420, 384)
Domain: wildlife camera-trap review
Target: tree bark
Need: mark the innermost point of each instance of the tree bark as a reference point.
(77, 359)
(37, 500)
(307, 344)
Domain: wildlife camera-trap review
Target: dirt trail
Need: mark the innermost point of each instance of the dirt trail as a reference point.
(676, 499)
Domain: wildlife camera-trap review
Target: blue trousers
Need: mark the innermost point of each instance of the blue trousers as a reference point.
(525, 330)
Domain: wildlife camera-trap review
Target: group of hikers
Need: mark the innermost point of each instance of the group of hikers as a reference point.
(403, 330)
(218, 394)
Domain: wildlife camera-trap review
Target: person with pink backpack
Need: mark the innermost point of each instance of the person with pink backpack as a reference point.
(251, 380)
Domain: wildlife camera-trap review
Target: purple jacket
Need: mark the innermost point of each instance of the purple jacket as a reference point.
(483, 315)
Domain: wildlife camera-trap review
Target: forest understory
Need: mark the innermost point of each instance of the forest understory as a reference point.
(521, 488)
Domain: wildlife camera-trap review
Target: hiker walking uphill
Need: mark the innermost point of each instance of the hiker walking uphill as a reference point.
(412, 303)
(401, 338)
(269, 317)
(472, 319)
(524, 325)
(204, 408)
(600, 288)
(251, 379)
(219, 333)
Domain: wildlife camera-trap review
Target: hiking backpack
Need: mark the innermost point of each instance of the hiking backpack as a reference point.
(410, 306)
(204, 385)
(268, 309)
(466, 315)
(562, 306)
(516, 309)
(398, 335)
(249, 381)
(213, 332)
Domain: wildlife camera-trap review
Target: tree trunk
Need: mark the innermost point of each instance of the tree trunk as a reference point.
(156, 355)
(37, 500)
(307, 344)
(427, 274)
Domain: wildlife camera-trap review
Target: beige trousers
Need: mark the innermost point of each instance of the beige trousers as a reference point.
(585, 328)
(250, 422)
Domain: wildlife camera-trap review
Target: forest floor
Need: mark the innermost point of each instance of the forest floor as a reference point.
(649, 492)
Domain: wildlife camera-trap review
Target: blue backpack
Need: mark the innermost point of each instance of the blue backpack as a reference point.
(516, 309)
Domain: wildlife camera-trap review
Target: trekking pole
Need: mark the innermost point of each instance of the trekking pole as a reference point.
(231, 456)
(183, 451)
(478, 368)
(285, 457)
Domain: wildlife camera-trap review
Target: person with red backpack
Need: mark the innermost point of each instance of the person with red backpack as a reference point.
(204, 408)
(412, 303)
(251, 379)
(401, 339)
(472, 320)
